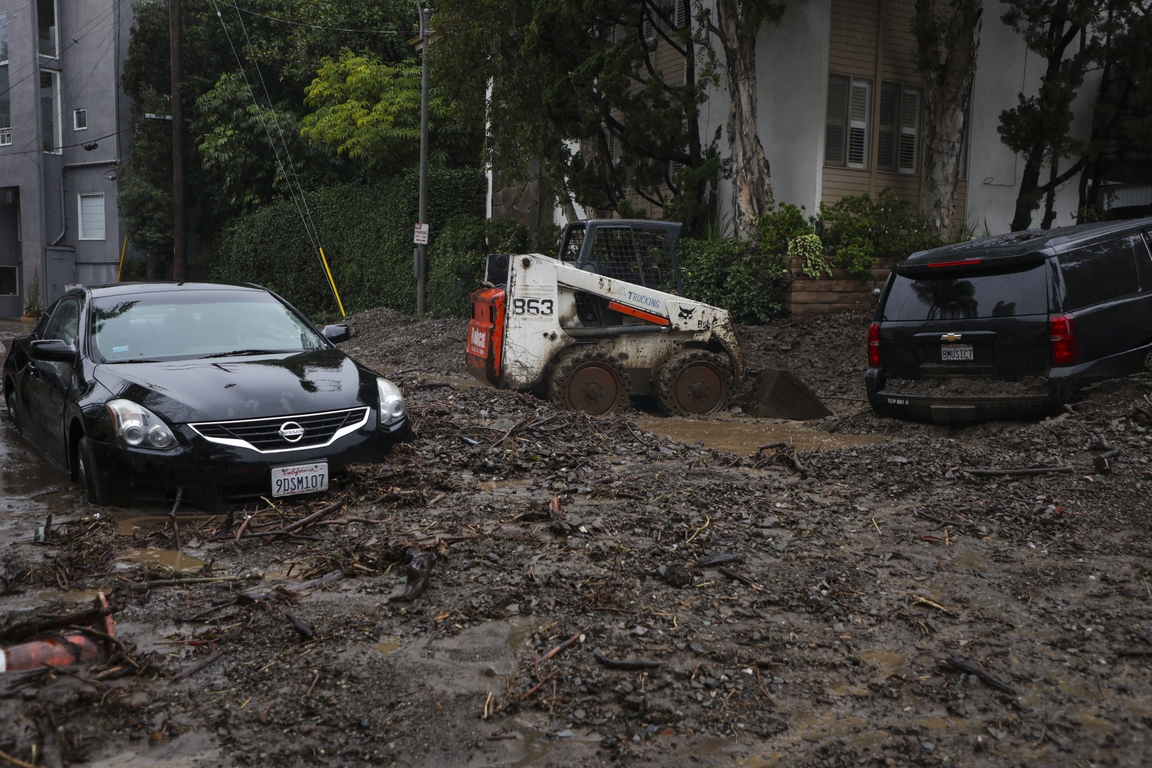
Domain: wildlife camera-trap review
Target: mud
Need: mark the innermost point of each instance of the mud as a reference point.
(863, 566)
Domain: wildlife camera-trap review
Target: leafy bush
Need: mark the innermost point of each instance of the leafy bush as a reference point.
(859, 232)
(731, 274)
(366, 232)
(456, 261)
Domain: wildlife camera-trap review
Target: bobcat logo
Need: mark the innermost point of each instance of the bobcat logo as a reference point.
(687, 312)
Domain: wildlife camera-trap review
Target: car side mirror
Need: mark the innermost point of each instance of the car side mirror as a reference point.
(52, 351)
(336, 333)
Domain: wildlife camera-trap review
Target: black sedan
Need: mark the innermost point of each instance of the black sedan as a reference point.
(139, 390)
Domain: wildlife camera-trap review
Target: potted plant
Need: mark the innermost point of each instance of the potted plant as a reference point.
(33, 298)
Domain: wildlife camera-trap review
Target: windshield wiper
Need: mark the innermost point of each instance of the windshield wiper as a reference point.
(244, 353)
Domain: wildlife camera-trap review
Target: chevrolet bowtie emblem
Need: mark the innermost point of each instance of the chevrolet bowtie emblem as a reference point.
(951, 337)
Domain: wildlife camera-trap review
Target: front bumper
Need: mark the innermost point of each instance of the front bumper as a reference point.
(213, 475)
(955, 410)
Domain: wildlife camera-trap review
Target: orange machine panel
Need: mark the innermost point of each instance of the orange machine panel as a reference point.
(486, 335)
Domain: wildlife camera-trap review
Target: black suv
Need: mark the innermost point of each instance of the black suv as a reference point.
(1011, 326)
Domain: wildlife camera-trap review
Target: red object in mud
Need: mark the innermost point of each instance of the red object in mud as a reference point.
(486, 335)
(62, 650)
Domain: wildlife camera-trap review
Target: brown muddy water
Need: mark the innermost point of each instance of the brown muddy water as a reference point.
(746, 438)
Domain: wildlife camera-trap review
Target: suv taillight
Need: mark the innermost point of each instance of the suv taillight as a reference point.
(874, 345)
(1062, 339)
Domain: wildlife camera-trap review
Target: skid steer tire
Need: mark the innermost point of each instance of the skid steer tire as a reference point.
(590, 380)
(694, 383)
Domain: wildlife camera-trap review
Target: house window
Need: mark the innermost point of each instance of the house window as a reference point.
(9, 285)
(92, 217)
(80, 119)
(50, 110)
(5, 101)
(49, 37)
(899, 128)
(849, 107)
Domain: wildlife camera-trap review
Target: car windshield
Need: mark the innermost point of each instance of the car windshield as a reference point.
(171, 325)
(978, 296)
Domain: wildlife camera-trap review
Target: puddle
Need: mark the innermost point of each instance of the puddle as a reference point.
(126, 526)
(387, 645)
(175, 561)
(31, 488)
(886, 662)
(968, 559)
(745, 438)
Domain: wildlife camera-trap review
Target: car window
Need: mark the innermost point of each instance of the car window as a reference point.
(1098, 273)
(65, 322)
(1005, 294)
(192, 324)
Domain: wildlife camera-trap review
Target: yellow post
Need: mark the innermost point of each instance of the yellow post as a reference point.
(123, 248)
(332, 282)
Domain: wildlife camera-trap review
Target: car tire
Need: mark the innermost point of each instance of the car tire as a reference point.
(694, 383)
(590, 380)
(10, 407)
(87, 474)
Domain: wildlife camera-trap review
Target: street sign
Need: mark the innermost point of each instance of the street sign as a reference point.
(421, 234)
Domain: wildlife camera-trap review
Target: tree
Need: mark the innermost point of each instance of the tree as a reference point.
(575, 86)
(246, 116)
(735, 26)
(946, 58)
(1121, 142)
(1062, 33)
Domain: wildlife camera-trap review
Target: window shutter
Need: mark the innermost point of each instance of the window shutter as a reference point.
(837, 120)
(886, 130)
(910, 131)
(858, 126)
(682, 13)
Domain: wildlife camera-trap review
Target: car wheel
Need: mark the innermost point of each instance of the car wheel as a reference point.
(590, 380)
(694, 383)
(10, 404)
(86, 473)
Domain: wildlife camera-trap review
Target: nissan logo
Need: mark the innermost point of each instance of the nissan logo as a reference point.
(291, 431)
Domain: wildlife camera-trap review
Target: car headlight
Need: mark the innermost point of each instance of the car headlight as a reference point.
(391, 402)
(138, 427)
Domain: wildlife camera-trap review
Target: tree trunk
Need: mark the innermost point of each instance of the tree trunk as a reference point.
(1028, 198)
(948, 66)
(752, 177)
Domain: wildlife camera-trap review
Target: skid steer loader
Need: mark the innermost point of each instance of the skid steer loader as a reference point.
(606, 320)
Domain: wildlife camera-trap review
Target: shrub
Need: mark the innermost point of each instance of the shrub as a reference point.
(732, 275)
(859, 232)
(456, 261)
(366, 232)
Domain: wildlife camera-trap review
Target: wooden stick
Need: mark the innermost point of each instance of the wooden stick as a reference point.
(564, 645)
(196, 667)
(8, 758)
(740, 578)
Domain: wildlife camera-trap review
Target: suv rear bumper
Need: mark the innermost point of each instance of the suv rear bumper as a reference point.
(956, 410)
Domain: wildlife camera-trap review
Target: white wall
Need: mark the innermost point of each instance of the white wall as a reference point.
(1004, 69)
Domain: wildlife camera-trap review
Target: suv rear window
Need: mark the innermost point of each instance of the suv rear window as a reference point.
(1004, 294)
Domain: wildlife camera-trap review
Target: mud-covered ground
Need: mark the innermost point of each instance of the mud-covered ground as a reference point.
(878, 603)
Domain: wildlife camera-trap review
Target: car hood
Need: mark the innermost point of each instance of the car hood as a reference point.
(242, 388)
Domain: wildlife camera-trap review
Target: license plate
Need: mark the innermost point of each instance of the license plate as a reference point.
(956, 352)
(302, 478)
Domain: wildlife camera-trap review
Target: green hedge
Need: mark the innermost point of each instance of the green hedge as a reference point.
(456, 261)
(366, 232)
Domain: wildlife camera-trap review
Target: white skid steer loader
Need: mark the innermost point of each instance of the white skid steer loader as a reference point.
(607, 320)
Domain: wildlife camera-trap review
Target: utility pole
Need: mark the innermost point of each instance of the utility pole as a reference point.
(179, 204)
(422, 249)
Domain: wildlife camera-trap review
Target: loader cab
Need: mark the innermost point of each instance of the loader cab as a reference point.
(633, 250)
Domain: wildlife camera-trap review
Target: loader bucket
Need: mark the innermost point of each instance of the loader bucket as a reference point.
(780, 395)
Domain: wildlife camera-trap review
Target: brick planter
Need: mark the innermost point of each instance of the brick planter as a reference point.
(841, 292)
